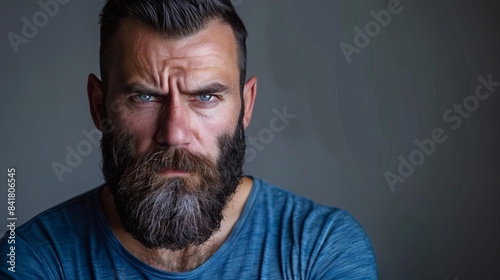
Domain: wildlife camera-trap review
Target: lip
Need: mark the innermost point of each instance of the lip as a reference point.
(173, 172)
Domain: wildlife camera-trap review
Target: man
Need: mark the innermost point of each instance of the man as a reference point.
(173, 104)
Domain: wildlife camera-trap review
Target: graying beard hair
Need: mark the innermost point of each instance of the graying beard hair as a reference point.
(152, 211)
(181, 213)
(171, 211)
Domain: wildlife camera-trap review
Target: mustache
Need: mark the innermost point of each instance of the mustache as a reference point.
(176, 159)
(125, 156)
(147, 166)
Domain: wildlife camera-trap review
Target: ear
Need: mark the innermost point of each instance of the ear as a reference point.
(96, 99)
(249, 94)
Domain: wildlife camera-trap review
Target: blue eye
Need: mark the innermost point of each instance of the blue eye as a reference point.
(205, 97)
(145, 97)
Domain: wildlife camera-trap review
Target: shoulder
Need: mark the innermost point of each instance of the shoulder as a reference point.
(310, 216)
(327, 236)
(41, 243)
(70, 216)
(297, 207)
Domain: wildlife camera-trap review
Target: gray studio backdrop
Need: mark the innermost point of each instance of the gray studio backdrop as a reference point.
(387, 109)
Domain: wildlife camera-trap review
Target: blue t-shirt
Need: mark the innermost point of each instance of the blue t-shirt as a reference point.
(279, 235)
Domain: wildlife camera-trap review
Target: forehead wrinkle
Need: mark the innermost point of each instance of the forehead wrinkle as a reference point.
(199, 51)
(152, 57)
(193, 64)
(138, 58)
(141, 60)
(140, 67)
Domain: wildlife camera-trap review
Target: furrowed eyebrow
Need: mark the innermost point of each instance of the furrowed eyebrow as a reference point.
(209, 89)
(140, 89)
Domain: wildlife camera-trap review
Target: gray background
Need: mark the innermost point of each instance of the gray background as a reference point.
(352, 121)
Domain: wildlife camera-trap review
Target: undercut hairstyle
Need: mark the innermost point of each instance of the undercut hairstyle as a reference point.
(171, 18)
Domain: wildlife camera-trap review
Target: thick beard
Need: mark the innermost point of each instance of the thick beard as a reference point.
(177, 212)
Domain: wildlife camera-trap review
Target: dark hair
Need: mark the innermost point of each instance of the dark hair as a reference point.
(172, 18)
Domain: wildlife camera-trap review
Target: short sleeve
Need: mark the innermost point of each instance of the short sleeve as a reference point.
(346, 251)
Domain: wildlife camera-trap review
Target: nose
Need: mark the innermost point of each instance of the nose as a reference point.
(174, 128)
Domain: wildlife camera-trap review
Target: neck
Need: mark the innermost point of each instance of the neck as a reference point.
(188, 258)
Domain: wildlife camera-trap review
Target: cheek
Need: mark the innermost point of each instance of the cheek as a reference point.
(142, 127)
(209, 130)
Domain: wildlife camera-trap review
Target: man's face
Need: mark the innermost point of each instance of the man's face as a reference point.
(175, 152)
(174, 92)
